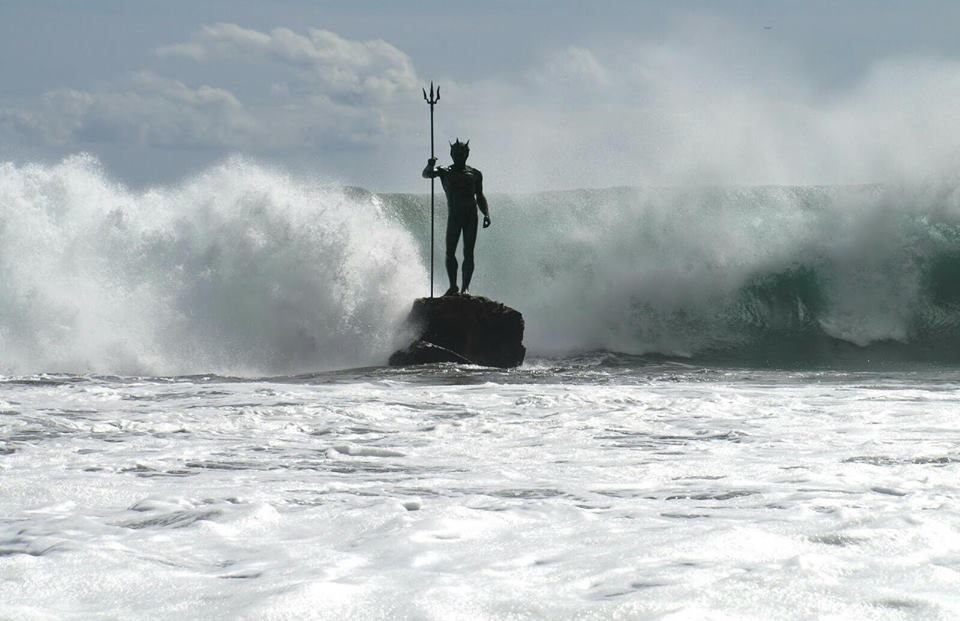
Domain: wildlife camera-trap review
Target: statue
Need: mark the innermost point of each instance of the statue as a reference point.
(463, 186)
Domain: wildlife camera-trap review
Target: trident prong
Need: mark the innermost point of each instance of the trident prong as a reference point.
(431, 99)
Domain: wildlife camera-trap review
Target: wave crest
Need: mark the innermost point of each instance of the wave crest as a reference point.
(703, 270)
(240, 270)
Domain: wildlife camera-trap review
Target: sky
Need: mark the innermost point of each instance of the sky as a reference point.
(552, 95)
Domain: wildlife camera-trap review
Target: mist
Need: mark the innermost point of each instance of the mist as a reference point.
(708, 105)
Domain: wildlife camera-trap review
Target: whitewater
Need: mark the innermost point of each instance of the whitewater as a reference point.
(739, 403)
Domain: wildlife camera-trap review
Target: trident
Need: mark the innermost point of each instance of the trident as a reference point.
(432, 100)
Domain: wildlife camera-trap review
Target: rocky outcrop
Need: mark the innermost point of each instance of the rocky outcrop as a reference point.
(466, 329)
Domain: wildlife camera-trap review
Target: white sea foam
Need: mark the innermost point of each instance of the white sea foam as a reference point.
(672, 492)
(238, 270)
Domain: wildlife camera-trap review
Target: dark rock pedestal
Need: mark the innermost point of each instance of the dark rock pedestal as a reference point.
(466, 329)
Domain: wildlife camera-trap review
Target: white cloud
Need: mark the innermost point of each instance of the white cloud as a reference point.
(332, 65)
(319, 89)
(705, 103)
(148, 111)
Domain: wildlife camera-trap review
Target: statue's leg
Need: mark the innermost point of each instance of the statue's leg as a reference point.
(469, 241)
(453, 237)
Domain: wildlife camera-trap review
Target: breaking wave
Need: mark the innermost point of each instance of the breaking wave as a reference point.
(759, 274)
(246, 270)
(240, 270)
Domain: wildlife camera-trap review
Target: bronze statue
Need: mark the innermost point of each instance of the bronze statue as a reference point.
(463, 186)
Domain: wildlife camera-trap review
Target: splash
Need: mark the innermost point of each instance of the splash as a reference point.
(244, 270)
(692, 271)
(240, 270)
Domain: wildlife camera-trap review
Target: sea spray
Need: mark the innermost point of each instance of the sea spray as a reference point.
(240, 270)
(701, 270)
(248, 271)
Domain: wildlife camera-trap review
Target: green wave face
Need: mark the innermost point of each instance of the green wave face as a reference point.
(763, 273)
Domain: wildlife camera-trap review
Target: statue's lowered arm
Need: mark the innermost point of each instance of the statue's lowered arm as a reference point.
(482, 202)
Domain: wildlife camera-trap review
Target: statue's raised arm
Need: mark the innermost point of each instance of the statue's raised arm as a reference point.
(431, 170)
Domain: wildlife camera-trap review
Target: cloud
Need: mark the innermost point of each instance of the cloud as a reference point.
(705, 103)
(148, 111)
(335, 67)
(313, 90)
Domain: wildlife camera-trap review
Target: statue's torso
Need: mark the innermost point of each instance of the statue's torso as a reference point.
(460, 186)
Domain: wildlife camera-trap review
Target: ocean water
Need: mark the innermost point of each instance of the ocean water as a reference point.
(739, 403)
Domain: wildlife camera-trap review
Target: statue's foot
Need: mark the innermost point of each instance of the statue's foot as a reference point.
(452, 291)
(464, 292)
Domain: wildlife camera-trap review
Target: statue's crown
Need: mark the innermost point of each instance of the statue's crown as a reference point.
(460, 146)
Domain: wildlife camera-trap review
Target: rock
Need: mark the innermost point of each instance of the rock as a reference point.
(466, 329)
(422, 352)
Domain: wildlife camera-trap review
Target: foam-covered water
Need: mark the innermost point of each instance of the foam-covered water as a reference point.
(585, 488)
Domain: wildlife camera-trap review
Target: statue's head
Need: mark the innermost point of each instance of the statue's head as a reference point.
(459, 152)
